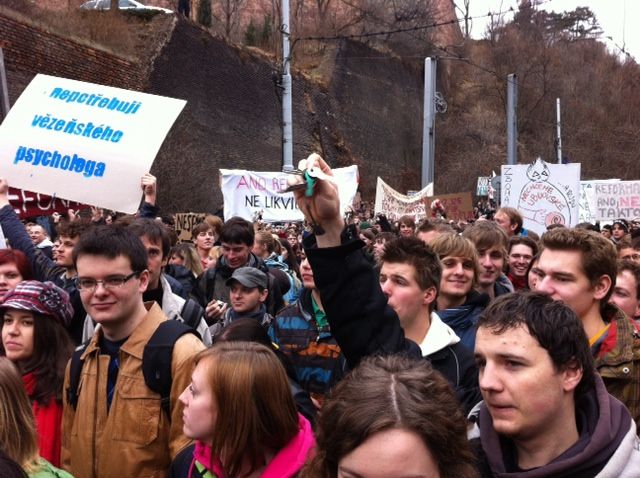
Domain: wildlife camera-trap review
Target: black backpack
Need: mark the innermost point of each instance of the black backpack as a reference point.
(156, 363)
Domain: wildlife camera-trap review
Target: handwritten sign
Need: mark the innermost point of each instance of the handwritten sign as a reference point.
(544, 193)
(247, 193)
(29, 204)
(84, 142)
(482, 188)
(618, 200)
(185, 222)
(394, 205)
(457, 207)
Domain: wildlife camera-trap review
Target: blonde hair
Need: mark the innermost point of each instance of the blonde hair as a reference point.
(256, 410)
(456, 246)
(18, 438)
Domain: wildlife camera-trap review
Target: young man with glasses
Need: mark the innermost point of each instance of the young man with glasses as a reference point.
(117, 426)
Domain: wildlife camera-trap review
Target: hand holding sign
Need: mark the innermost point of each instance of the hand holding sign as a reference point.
(148, 184)
(4, 192)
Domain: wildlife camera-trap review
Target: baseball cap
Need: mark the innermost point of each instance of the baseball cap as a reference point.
(249, 277)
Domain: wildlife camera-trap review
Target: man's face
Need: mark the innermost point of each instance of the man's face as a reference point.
(403, 293)
(236, 255)
(491, 262)
(155, 261)
(504, 222)
(520, 385)
(306, 274)
(625, 294)
(629, 254)
(204, 240)
(245, 300)
(519, 259)
(457, 276)
(617, 232)
(37, 234)
(116, 305)
(64, 256)
(405, 230)
(562, 277)
(378, 247)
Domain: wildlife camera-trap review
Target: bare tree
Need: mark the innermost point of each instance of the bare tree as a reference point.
(230, 15)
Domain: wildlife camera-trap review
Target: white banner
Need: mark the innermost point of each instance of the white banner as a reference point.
(248, 193)
(394, 205)
(588, 202)
(84, 142)
(544, 193)
(617, 200)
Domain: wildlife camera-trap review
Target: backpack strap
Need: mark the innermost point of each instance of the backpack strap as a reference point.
(191, 313)
(158, 356)
(75, 371)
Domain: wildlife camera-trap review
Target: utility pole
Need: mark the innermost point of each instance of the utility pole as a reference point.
(4, 90)
(512, 119)
(287, 121)
(558, 131)
(429, 124)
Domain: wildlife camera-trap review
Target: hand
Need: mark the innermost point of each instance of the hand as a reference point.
(214, 311)
(149, 188)
(56, 217)
(96, 213)
(323, 207)
(4, 192)
(72, 215)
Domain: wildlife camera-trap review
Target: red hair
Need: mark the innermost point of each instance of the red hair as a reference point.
(14, 256)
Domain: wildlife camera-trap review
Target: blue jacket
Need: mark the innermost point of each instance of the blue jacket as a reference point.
(463, 319)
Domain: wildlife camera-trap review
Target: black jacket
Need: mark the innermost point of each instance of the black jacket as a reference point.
(362, 322)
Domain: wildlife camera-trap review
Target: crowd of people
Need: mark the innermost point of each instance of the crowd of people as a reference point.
(351, 346)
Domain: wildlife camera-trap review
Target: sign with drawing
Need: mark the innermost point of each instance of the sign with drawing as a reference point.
(544, 193)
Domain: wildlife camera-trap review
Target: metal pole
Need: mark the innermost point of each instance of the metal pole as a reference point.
(287, 120)
(4, 90)
(429, 125)
(558, 129)
(512, 119)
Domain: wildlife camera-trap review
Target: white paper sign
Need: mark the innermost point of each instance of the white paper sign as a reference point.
(620, 200)
(85, 142)
(544, 193)
(394, 205)
(247, 193)
(588, 202)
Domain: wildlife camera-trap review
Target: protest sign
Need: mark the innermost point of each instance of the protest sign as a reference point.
(249, 193)
(482, 188)
(29, 204)
(544, 193)
(84, 142)
(457, 206)
(185, 222)
(617, 200)
(394, 205)
(588, 201)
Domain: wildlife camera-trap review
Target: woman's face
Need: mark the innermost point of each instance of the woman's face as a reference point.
(177, 259)
(10, 277)
(17, 334)
(397, 452)
(200, 409)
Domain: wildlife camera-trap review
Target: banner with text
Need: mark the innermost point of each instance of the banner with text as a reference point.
(588, 203)
(544, 193)
(394, 205)
(248, 193)
(84, 142)
(29, 204)
(617, 200)
(457, 206)
(185, 222)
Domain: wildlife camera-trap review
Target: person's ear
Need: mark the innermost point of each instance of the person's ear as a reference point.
(602, 286)
(263, 295)
(572, 375)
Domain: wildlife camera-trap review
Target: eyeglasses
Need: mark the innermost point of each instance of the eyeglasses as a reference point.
(89, 284)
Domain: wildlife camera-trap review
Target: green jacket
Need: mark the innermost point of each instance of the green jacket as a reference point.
(47, 470)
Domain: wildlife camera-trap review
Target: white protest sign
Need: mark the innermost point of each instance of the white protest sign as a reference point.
(588, 199)
(394, 205)
(247, 193)
(544, 193)
(619, 200)
(85, 142)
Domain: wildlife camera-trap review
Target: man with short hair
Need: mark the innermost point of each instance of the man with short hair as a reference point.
(40, 239)
(546, 413)
(628, 250)
(248, 295)
(509, 220)
(236, 237)
(522, 250)
(491, 243)
(578, 267)
(626, 293)
(619, 230)
(117, 426)
(429, 229)
(62, 272)
(203, 237)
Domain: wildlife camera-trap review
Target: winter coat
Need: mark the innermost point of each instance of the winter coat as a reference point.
(135, 438)
(464, 319)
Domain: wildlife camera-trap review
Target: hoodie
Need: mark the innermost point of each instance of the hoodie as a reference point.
(463, 319)
(607, 446)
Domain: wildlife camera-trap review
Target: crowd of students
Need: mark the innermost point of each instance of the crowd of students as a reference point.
(359, 349)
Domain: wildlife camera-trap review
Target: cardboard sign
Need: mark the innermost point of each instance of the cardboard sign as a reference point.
(457, 207)
(84, 142)
(617, 200)
(250, 193)
(185, 222)
(544, 193)
(394, 205)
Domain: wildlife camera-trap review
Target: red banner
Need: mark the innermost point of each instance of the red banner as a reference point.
(29, 204)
